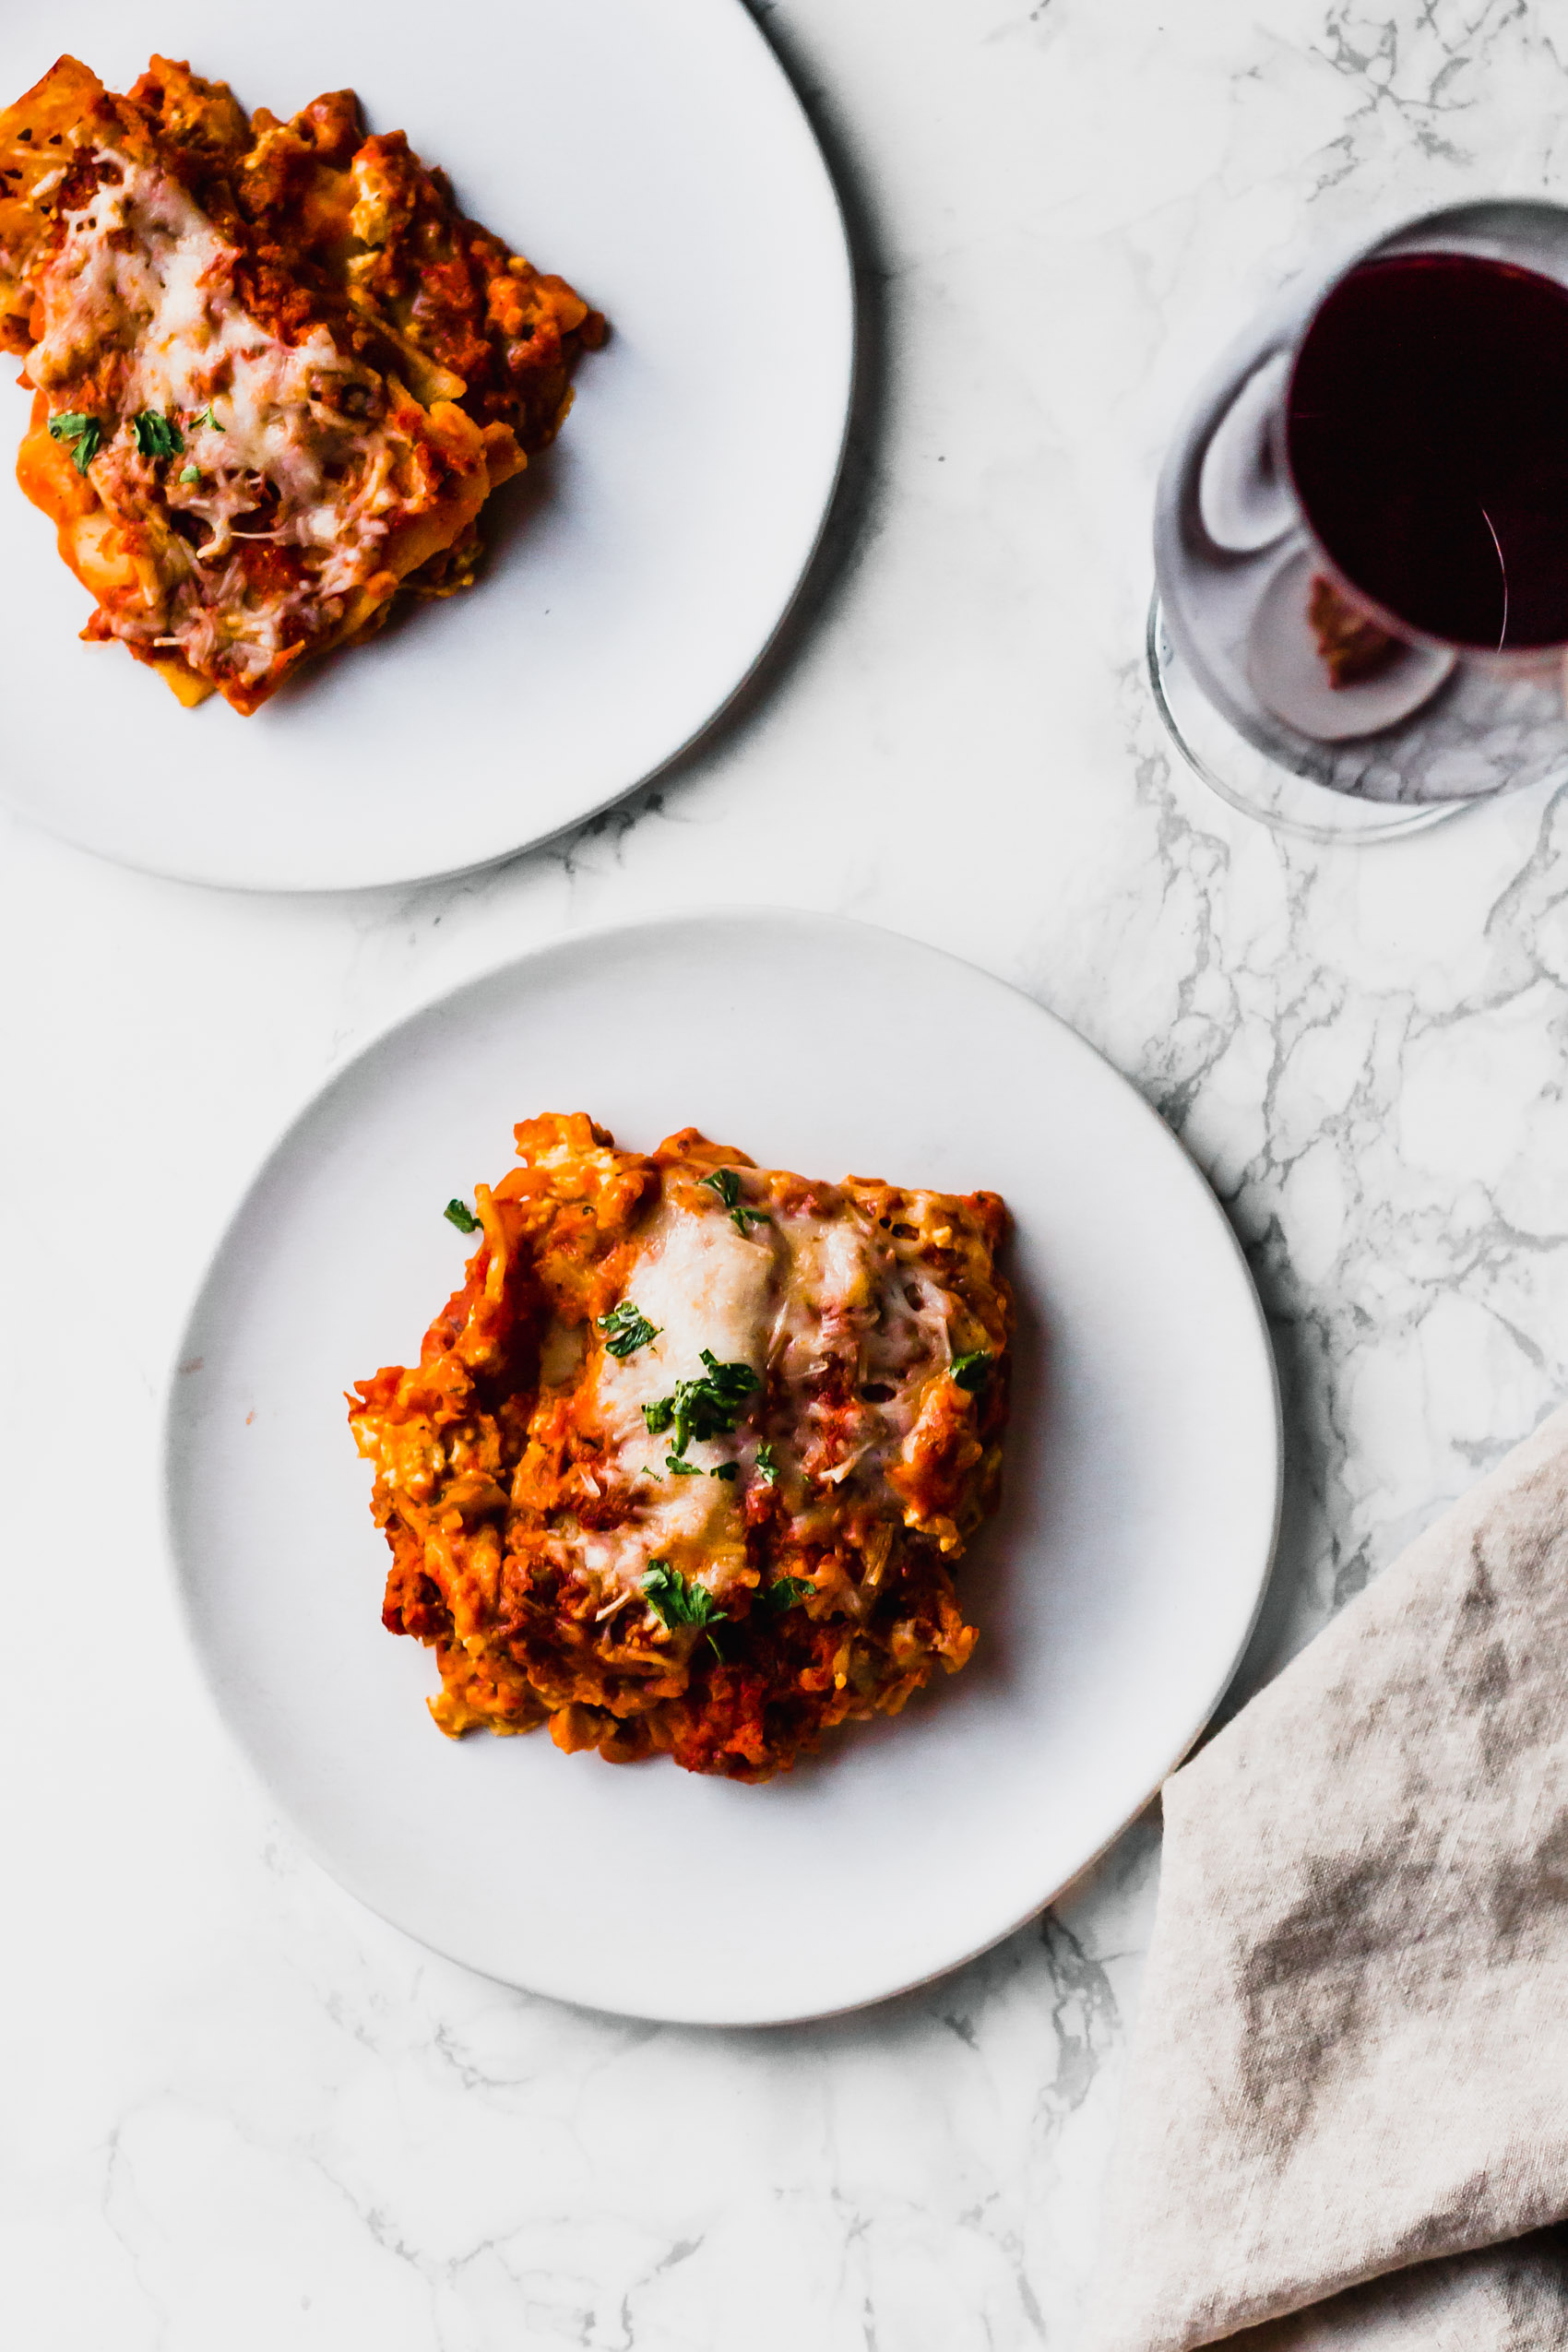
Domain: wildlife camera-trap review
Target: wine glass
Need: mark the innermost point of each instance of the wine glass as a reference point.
(1320, 641)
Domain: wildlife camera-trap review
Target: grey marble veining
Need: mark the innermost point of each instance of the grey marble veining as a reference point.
(238, 2105)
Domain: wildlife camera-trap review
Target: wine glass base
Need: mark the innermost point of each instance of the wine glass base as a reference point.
(1259, 786)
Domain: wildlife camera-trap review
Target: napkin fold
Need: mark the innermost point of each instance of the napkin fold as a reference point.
(1351, 2058)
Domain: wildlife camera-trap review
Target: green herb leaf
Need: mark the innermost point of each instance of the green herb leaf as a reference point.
(788, 1592)
(190, 473)
(971, 1371)
(157, 435)
(726, 1470)
(706, 1407)
(682, 1470)
(459, 1214)
(767, 1464)
(676, 1601)
(627, 1329)
(207, 417)
(727, 1185)
(82, 434)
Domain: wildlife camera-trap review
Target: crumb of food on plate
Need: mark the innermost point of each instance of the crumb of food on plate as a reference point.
(276, 373)
(1350, 646)
(686, 1463)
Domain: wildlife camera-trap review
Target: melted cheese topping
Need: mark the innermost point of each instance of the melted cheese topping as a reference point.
(143, 271)
(702, 1286)
(817, 1306)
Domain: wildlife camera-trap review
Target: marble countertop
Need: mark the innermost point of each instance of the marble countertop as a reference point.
(239, 2106)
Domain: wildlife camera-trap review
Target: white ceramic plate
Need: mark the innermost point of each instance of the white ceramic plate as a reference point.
(652, 151)
(1115, 1592)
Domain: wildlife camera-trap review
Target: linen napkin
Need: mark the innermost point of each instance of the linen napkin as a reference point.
(1351, 2057)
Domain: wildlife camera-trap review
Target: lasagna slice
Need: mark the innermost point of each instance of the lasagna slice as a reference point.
(276, 372)
(686, 1463)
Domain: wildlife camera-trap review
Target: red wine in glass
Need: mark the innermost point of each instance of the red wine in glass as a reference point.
(1426, 430)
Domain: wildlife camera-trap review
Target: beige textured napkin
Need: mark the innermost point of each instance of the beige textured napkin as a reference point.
(1351, 2057)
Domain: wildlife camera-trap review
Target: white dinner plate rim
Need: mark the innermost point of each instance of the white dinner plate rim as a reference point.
(689, 918)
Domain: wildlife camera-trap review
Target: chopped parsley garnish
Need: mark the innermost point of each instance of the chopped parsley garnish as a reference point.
(787, 1592)
(157, 435)
(459, 1214)
(676, 1601)
(767, 1464)
(706, 1407)
(971, 1371)
(207, 417)
(673, 1461)
(190, 473)
(726, 1470)
(727, 1185)
(627, 1329)
(82, 434)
